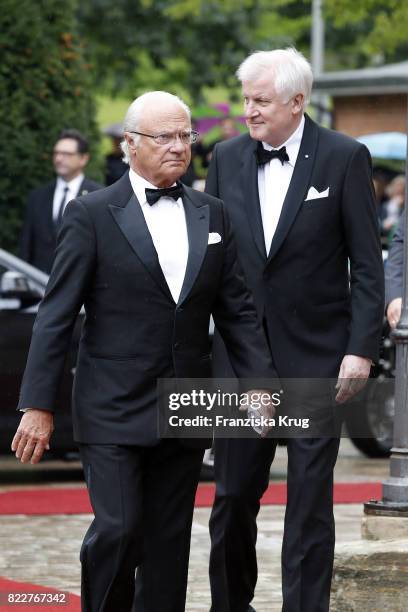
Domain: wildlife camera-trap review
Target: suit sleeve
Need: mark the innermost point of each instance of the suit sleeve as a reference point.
(395, 264)
(361, 230)
(64, 296)
(236, 320)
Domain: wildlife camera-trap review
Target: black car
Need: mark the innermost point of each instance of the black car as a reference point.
(21, 289)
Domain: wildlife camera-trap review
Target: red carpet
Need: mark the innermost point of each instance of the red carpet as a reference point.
(72, 603)
(76, 500)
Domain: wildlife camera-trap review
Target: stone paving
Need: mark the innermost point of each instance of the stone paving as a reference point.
(44, 549)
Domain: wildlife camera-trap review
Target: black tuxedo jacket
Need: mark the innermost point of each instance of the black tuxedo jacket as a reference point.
(38, 236)
(314, 311)
(134, 333)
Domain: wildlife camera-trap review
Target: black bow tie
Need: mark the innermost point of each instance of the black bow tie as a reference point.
(153, 195)
(263, 156)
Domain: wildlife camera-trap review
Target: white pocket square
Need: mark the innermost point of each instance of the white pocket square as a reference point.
(313, 194)
(213, 238)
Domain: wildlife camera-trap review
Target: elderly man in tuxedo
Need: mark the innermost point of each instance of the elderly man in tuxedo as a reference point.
(142, 258)
(302, 208)
(46, 204)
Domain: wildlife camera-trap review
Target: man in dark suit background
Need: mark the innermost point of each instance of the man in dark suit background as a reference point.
(150, 266)
(46, 204)
(394, 274)
(302, 208)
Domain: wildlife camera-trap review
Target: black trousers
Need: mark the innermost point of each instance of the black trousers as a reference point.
(143, 501)
(242, 475)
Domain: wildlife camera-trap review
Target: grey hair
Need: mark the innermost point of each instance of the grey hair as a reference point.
(134, 114)
(290, 71)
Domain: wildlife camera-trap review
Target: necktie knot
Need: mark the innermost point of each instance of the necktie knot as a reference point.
(153, 195)
(263, 156)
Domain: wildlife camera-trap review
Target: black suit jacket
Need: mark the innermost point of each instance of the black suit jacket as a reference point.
(38, 236)
(394, 266)
(313, 311)
(134, 333)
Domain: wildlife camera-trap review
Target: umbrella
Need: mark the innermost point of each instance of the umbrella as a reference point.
(114, 130)
(386, 145)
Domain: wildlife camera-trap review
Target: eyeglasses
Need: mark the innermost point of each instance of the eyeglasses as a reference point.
(65, 153)
(166, 138)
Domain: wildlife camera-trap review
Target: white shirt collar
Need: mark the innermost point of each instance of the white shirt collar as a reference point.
(73, 186)
(292, 144)
(139, 184)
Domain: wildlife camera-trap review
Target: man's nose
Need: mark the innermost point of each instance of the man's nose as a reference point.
(250, 110)
(177, 145)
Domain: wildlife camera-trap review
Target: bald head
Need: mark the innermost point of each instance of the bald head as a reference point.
(160, 152)
(144, 107)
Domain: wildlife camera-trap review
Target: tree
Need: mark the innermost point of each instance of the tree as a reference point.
(44, 87)
(186, 46)
(366, 32)
(183, 46)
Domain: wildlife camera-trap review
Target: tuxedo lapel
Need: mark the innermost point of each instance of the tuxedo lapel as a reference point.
(131, 222)
(249, 179)
(198, 222)
(298, 185)
(82, 188)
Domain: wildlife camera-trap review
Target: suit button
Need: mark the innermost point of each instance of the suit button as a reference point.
(176, 345)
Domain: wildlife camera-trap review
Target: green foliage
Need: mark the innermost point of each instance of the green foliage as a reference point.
(369, 31)
(44, 87)
(188, 47)
(184, 46)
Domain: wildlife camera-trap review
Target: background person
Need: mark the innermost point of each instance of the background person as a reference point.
(115, 167)
(394, 269)
(394, 204)
(46, 204)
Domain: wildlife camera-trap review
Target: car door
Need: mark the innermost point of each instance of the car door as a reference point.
(21, 290)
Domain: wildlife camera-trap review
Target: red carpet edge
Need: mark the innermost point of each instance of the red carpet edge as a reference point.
(75, 500)
(12, 591)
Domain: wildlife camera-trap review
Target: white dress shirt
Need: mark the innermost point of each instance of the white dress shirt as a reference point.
(73, 190)
(166, 221)
(273, 183)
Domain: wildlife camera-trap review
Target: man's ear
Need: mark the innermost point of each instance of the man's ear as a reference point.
(84, 159)
(130, 141)
(297, 103)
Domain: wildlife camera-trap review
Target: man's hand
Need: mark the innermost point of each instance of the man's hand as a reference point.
(33, 435)
(353, 375)
(394, 312)
(261, 401)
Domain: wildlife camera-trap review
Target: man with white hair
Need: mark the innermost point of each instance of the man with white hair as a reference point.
(302, 208)
(151, 260)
